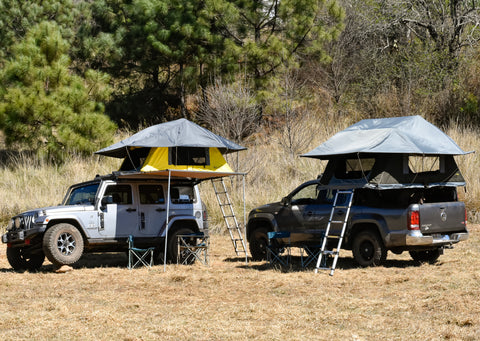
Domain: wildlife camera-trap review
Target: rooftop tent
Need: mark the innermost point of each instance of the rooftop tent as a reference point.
(410, 135)
(380, 153)
(181, 146)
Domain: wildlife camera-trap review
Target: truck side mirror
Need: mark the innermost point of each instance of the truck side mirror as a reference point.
(285, 201)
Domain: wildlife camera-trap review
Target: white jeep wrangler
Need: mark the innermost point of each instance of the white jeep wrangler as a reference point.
(99, 215)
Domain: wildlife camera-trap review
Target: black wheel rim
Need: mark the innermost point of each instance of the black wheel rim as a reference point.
(367, 250)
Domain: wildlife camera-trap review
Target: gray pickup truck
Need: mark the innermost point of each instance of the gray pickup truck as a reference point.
(99, 216)
(393, 209)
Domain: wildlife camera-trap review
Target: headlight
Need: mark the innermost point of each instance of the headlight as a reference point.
(39, 213)
(10, 224)
(18, 222)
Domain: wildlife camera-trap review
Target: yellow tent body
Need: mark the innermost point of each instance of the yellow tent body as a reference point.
(158, 159)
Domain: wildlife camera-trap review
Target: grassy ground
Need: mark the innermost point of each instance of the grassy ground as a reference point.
(102, 300)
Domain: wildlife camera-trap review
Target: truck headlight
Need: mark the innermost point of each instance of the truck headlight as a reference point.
(10, 224)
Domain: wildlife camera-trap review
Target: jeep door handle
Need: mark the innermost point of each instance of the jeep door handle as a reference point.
(160, 210)
(309, 213)
(131, 209)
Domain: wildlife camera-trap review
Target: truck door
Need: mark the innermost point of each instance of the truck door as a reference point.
(307, 210)
(119, 215)
(153, 210)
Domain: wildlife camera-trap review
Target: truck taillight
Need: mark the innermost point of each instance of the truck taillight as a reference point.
(414, 220)
(466, 216)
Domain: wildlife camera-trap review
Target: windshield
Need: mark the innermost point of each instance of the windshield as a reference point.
(84, 195)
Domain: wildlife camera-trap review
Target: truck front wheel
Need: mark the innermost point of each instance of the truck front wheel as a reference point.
(63, 244)
(21, 259)
(258, 244)
(368, 249)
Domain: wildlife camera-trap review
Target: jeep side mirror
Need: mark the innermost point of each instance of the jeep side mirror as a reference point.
(285, 201)
(108, 199)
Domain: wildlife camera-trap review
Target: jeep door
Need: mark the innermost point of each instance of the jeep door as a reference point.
(118, 216)
(152, 209)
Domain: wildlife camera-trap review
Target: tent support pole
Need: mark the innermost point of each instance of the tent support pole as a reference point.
(166, 223)
(245, 222)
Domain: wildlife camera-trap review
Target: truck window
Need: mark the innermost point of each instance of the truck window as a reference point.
(120, 194)
(182, 195)
(151, 194)
(82, 195)
(307, 195)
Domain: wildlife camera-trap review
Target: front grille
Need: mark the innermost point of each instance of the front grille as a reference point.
(27, 222)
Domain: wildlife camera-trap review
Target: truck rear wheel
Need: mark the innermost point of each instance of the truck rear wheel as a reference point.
(368, 249)
(63, 244)
(426, 256)
(21, 259)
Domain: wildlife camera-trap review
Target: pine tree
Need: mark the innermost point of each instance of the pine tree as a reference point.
(44, 106)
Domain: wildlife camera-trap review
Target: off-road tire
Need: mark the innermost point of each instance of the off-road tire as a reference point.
(63, 244)
(172, 247)
(426, 256)
(368, 249)
(258, 244)
(20, 259)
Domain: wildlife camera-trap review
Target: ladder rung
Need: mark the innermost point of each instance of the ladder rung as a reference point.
(337, 222)
(329, 252)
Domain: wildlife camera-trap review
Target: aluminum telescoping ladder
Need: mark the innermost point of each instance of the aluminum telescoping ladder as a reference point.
(344, 204)
(231, 221)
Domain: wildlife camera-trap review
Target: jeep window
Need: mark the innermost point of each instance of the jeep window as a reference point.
(182, 195)
(82, 195)
(120, 194)
(306, 195)
(151, 194)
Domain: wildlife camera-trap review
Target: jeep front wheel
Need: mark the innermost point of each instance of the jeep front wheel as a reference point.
(63, 244)
(21, 258)
(368, 249)
(258, 244)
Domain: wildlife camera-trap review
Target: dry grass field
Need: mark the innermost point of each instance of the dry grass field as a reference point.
(102, 300)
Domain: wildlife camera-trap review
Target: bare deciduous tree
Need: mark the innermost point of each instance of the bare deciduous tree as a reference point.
(229, 110)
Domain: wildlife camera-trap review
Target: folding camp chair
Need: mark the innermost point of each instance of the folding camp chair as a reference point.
(138, 256)
(311, 254)
(278, 247)
(192, 247)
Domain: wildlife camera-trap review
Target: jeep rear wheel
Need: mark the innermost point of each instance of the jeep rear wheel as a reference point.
(368, 249)
(258, 244)
(172, 251)
(63, 244)
(21, 259)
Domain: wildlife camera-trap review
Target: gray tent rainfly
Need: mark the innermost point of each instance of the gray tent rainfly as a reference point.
(410, 135)
(178, 133)
(377, 153)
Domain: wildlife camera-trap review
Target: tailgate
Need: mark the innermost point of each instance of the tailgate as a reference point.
(445, 217)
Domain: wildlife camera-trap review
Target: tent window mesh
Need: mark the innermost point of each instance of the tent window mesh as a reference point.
(354, 168)
(424, 164)
(188, 156)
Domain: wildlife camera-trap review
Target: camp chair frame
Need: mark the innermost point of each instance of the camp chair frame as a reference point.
(137, 256)
(278, 248)
(191, 247)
